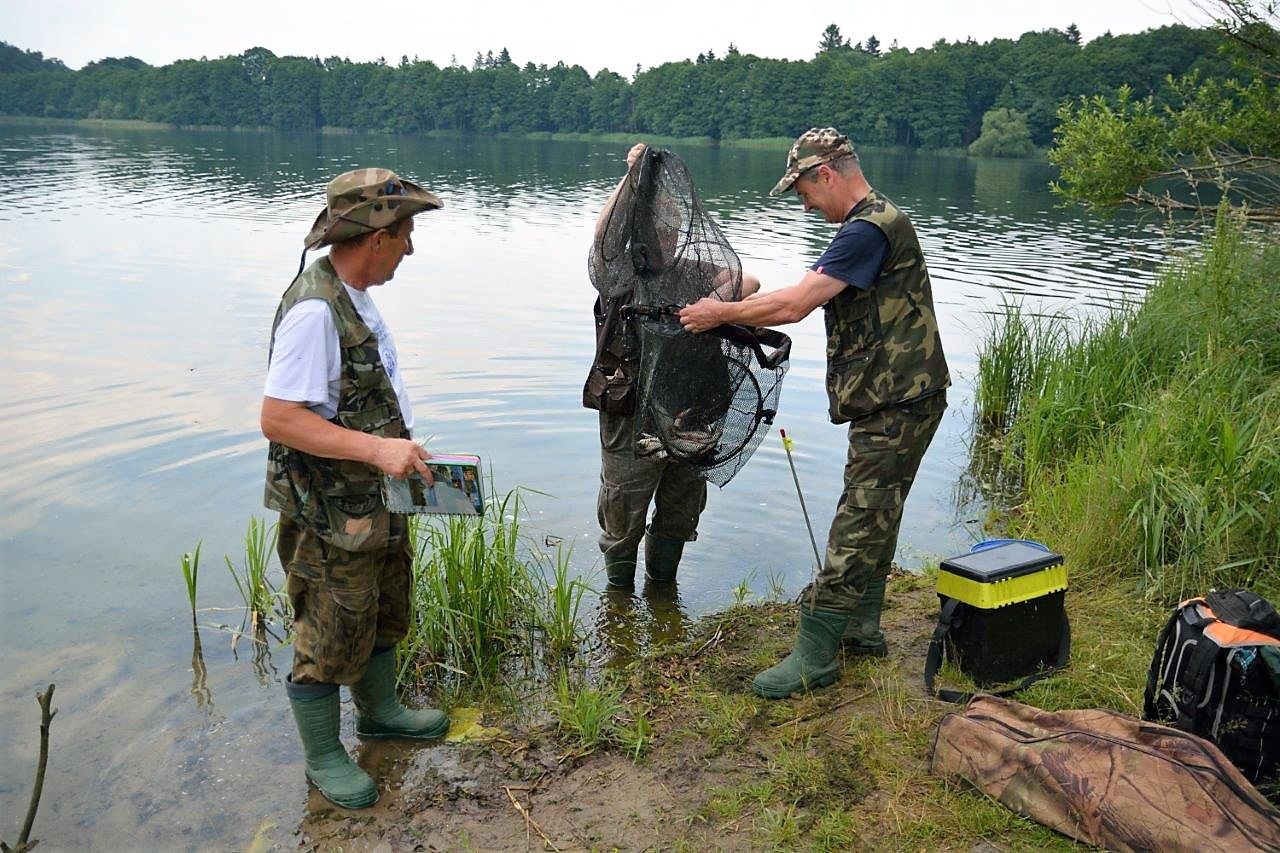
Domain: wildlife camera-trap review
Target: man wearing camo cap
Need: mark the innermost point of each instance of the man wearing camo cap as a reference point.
(886, 378)
(338, 418)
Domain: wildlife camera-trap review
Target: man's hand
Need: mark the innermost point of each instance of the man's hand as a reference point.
(399, 457)
(634, 154)
(294, 425)
(702, 315)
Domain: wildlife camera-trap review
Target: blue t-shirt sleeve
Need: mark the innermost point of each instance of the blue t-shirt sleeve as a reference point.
(856, 254)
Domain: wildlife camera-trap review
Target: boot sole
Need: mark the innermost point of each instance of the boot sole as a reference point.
(851, 647)
(816, 683)
(353, 804)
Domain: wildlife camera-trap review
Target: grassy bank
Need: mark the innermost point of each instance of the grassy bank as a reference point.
(1146, 445)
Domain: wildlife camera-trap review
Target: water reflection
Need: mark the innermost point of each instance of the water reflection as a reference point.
(200, 674)
(631, 625)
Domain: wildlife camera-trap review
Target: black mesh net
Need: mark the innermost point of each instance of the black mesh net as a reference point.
(707, 399)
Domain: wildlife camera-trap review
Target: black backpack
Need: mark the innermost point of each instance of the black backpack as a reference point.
(1216, 673)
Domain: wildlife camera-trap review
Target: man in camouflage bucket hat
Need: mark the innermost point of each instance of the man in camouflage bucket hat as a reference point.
(886, 378)
(338, 418)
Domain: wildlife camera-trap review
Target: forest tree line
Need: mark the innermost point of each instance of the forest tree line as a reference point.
(929, 98)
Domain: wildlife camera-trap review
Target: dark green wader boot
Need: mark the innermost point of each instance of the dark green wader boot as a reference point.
(863, 636)
(316, 711)
(661, 558)
(620, 570)
(812, 662)
(379, 713)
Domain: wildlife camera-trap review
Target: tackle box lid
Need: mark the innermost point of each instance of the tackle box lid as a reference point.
(1010, 559)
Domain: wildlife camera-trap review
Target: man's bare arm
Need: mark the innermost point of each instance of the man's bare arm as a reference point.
(788, 305)
(294, 425)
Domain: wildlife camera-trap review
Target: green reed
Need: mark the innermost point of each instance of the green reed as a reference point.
(473, 596)
(191, 575)
(261, 600)
(1147, 444)
(561, 599)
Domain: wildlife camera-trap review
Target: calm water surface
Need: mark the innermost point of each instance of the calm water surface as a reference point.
(140, 273)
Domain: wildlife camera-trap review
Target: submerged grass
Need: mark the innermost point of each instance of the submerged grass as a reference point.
(261, 600)
(1146, 446)
(191, 576)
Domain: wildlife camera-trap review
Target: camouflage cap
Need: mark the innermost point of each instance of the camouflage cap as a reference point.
(365, 200)
(816, 146)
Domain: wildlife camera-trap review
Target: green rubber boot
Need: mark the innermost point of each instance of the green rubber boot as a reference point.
(812, 662)
(379, 712)
(863, 636)
(661, 558)
(329, 768)
(620, 570)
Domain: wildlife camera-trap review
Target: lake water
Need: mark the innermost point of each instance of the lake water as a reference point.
(140, 273)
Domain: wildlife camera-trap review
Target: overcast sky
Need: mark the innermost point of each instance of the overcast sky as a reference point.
(594, 35)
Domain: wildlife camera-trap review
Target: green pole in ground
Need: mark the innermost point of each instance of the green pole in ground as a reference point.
(787, 444)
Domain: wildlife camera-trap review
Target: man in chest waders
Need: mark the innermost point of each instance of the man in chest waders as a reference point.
(886, 378)
(338, 418)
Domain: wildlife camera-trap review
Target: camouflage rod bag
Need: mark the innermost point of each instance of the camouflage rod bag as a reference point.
(1216, 673)
(1104, 778)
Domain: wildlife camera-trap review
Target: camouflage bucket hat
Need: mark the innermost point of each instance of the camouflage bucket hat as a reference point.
(816, 146)
(365, 200)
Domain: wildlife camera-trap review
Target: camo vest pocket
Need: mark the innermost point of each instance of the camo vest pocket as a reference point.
(846, 378)
(356, 521)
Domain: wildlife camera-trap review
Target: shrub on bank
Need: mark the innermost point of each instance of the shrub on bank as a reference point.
(1147, 445)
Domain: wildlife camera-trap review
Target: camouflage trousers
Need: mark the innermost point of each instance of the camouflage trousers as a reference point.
(345, 604)
(628, 485)
(885, 449)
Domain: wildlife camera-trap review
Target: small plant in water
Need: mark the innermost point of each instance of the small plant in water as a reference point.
(742, 592)
(260, 598)
(562, 600)
(191, 574)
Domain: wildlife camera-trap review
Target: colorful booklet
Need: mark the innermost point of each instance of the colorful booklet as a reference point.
(458, 488)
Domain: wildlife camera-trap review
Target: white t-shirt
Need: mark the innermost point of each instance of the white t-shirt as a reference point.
(306, 359)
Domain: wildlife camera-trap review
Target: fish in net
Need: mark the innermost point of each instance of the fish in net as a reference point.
(706, 400)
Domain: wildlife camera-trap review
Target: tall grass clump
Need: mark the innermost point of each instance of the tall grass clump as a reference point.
(1147, 444)
(473, 596)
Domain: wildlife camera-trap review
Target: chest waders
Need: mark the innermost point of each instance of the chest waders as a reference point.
(702, 401)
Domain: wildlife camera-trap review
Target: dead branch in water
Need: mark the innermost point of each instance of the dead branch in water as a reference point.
(46, 717)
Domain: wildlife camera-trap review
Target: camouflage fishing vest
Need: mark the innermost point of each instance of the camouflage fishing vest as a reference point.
(339, 500)
(883, 346)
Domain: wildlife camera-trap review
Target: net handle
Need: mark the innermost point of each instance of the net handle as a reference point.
(756, 338)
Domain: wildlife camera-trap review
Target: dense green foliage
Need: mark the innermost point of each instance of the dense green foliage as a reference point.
(933, 97)
(1210, 137)
(1147, 446)
(1004, 134)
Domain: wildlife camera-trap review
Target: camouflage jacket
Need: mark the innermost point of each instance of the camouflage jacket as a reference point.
(340, 500)
(883, 346)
